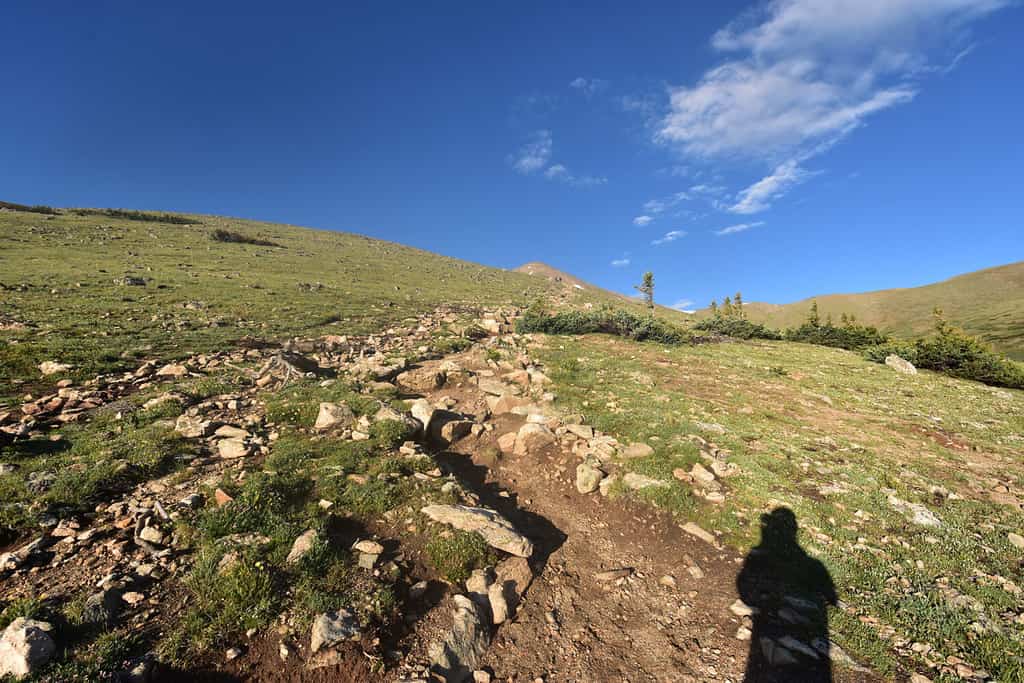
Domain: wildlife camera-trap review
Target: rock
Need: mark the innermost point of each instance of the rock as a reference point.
(476, 587)
(741, 609)
(52, 367)
(423, 412)
(231, 432)
(918, 678)
(588, 477)
(514, 576)
(233, 653)
(423, 380)
(330, 628)
(638, 482)
(1016, 540)
(463, 648)
(230, 449)
(193, 427)
(152, 534)
(495, 529)
(495, 387)
(533, 437)
(102, 608)
(221, 497)
(449, 427)
(701, 475)
(668, 581)
(506, 403)
(697, 532)
(25, 646)
(133, 597)
(193, 501)
(605, 487)
(712, 427)
(334, 416)
(507, 442)
(900, 365)
(917, 512)
(172, 370)
(498, 602)
(367, 546)
(637, 450)
(582, 431)
(302, 545)
(613, 574)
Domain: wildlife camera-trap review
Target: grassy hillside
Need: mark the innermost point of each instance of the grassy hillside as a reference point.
(987, 303)
(62, 295)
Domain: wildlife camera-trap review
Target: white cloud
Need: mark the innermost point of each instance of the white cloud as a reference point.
(803, 74)
(659, 205)
(642, 220)
(739, 227)
(684, 305)
(759, 196)
(620, 263)
(534, 155)
(588, 86)
(670, 236)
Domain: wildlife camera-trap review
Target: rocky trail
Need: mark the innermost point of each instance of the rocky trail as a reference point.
(591, 586)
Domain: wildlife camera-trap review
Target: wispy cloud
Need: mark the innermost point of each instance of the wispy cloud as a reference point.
(739, 227)
(561, 173)
(759, 196)
(642, 220)
(535, 156)
(684, 305)
(588, 86)
(620, 262)
(670, 236)
(803, 74)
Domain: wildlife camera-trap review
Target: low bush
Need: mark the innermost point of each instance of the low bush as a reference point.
(132, 215)
(220, 235)
(953, 352)
(737, 328)
(850, 336)
(456, 554)
(604, 320)
(38, 208)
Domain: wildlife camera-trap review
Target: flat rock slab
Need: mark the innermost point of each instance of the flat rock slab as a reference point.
(495, 529)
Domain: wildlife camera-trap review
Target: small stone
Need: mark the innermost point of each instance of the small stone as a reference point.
(613, 574)
(1016, 540)
(334, 416)
(367, 546)
(133, 597)
(900, 365)
(638, 482)
(533, 437)
(221, 497)
(637, 450)
(331, 628)
(302, 545)
(696, 531)
(668, 581)
(741, 609)
(743, 633)
(233, 653)
(588, 477)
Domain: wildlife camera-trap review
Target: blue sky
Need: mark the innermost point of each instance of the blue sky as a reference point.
(783, 148)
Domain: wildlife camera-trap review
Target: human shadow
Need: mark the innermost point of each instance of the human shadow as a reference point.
(788, 592)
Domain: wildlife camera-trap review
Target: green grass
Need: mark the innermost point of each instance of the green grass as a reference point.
(455, 554)
(801, 419)
(59, 272)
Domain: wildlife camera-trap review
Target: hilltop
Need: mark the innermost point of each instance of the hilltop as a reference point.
(987, 303)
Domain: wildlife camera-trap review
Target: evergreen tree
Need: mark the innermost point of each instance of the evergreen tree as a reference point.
(738, 303)
(714, 308)
(814, 319)
(727, 307)
(646, 287)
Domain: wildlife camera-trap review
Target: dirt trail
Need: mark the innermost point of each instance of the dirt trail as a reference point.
(665, 617)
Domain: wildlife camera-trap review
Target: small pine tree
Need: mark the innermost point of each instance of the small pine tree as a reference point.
(727, 307)
(813, 318)
(942, 326)
(828, 321)
(646, 287)
(714, 308)
(844, 320)
(737, 302)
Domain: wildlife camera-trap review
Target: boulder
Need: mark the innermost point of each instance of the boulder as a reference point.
(900, 365)
(423, 380)
(495, 529)
(533, 437)
(25, 646)
(334, 416)
(193, 427)
(172, 370)
(232, 448)
(638, 482)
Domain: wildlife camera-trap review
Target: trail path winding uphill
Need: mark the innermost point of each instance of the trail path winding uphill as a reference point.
(621, 592)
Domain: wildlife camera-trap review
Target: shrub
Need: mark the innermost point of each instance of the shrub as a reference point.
(849, 336)
(39, 208)
(132, 215)
(220, 235)
(954, 352)
(605, 320)
(738, 328)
